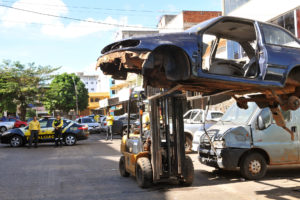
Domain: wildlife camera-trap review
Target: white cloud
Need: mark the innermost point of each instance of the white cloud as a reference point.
(78, 29)
(11, 17)
(51, 26)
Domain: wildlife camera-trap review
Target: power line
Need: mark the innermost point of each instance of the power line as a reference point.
(74, 19)
(97, 8)
(82, 20)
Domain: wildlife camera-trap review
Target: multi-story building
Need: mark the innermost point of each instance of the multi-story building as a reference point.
(91, 82)
(184, 20)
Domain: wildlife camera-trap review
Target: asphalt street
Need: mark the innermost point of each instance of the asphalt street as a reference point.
(89, 170)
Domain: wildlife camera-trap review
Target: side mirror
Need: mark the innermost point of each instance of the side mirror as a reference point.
(260, 123)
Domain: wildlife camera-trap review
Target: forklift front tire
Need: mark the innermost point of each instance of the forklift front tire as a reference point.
(144, 174)
(188, 173)
(122, 167)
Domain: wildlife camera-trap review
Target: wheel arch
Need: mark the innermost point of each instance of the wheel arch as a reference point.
(293, 72)
(255, 150)
(189, 134)
(158, 64)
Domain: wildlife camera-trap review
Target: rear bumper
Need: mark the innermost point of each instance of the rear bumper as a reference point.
(227, 158)
(83, 135)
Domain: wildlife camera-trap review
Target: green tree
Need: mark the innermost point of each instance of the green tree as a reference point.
(22, 84)
(62, 96)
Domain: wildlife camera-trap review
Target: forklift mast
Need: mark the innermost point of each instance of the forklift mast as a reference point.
(167, 135)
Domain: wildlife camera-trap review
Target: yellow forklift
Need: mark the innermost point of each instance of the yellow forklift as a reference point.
(157, 156)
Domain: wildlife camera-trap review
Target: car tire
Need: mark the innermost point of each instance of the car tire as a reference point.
(70, 140)
(253, 166)
(188, 144)
(3, 129)
(122, 167)
(16, 141)
(188, 173)
(143, 173)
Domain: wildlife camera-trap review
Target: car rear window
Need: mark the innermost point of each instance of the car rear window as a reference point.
(88, 120)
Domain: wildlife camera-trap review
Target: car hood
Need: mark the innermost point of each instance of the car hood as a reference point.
(148, 42)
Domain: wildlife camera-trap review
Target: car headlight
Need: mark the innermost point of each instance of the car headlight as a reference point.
(219, 144)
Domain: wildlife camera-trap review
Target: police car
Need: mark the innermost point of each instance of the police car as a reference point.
(71, 131)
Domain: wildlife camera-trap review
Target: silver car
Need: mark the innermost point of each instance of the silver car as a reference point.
(194, 121)
(93, 126)
(250, 140)
(4, 126)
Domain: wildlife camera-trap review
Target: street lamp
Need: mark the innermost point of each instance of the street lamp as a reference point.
(75, 87)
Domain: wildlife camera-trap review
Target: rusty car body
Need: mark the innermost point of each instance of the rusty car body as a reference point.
(197, 59)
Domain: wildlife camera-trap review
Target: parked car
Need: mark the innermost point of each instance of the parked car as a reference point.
(93, 126)
(250, 140)
(196, 60)
(4, 126)
(194, 121)
(17, 123)
(72, 132)
(120, 123)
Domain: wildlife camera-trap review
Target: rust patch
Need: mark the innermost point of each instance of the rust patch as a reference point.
(129, 59)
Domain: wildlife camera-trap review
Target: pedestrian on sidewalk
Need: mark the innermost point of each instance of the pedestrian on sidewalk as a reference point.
(110, 122)
(34, 128)
(57, 125)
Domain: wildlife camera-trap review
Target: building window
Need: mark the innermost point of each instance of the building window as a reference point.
(92, 99)
(286, 21)
(92, 82)
(113, 81)
(97, 99)
(113, 92)
(86, 83)
(92, 89)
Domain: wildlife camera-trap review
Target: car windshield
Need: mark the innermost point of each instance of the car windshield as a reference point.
(237, 115)
(198, 27)
(88, 120)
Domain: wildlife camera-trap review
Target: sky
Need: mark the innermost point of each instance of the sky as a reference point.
(75, 45)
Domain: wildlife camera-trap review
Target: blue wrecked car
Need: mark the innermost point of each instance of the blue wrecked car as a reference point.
(264, 62)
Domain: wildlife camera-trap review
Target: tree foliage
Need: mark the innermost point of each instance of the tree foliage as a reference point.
(61, 94)
(22, 84)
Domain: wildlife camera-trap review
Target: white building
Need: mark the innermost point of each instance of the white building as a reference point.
(128, 33)
(91, 82)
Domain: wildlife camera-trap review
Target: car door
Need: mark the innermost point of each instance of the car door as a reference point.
(276, 141)
(277, 50)
(45, 134)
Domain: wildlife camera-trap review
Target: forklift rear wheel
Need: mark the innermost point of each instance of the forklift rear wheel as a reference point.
(188, 172)
(144, 174)
(122, 167)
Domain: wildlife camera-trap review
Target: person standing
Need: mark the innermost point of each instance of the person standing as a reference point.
(96, 118)
(57, 125)
(34, 128)
(110, 122)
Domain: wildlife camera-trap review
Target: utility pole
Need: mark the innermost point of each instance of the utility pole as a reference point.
(75, 87)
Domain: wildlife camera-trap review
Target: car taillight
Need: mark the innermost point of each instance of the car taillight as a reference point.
(104, 124)
(83, 128)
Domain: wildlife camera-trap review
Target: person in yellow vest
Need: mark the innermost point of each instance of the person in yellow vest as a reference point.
(110, 122)
(34, 128)
(96, 118)
(57, 125)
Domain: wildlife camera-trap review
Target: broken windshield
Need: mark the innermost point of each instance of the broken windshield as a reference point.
(237, 115)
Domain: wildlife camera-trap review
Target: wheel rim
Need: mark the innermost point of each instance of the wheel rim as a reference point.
(255, 167)
(70, 140)
(3, 129)
(15, 141)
